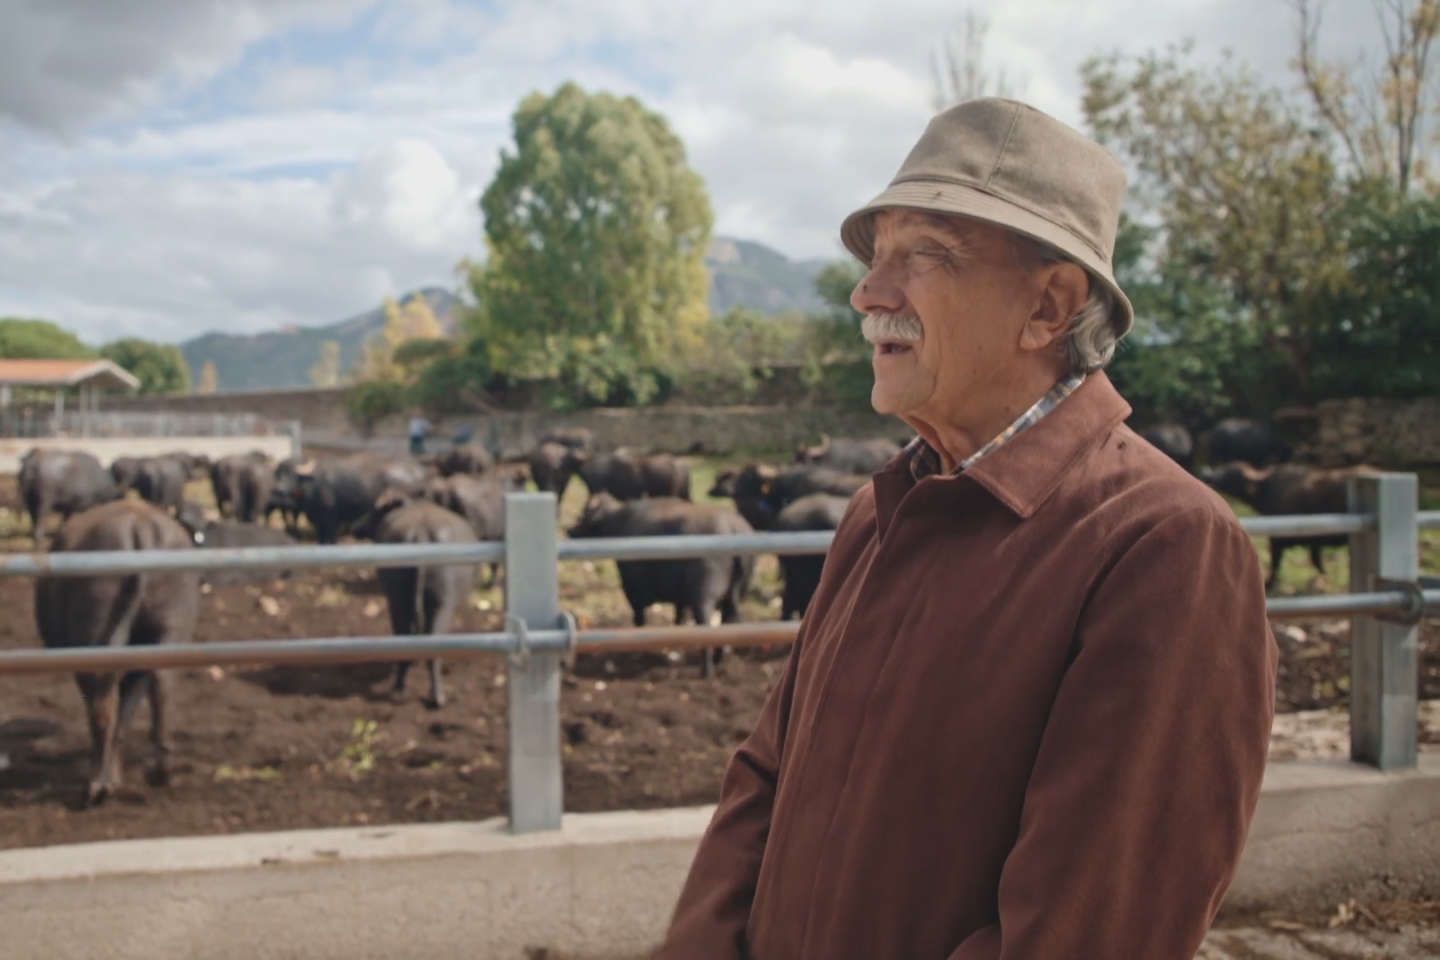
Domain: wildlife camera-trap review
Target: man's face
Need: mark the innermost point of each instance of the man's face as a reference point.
(944, 302)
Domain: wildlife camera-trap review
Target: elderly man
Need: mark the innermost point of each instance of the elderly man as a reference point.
(1028, 712)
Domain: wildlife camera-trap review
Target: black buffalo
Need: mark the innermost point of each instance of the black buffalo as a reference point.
(818, 511)
(243, 483)
(229, 534)
(422, 600)
(480, 500)
(1289, 489)
(849, 455)
(1248, 441)
(116, 611)
(470, 458)
(161, 481)
(629, 476)
(335, 494)
(63, 481)
(552, 465)
(579, 439)
(699, 588)
(761, 492)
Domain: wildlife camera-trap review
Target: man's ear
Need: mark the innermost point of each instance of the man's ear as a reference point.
(1066, 287)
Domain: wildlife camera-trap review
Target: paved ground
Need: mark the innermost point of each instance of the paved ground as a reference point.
(1285, 940)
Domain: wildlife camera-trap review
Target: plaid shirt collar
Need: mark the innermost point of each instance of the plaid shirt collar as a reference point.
(925, 462)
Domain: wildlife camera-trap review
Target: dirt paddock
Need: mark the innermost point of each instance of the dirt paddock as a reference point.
(273, 748)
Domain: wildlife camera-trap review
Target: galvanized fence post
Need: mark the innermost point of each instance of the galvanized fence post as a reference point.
(1384, 661)
(532, 594)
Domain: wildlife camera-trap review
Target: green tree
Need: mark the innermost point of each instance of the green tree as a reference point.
(160, 367)
(1380, 119)
(370, 401)
(450, 381)
(1243, 191)
(959, 71)
(411, 320)
(596, 228)
(326, 370)
(209, 381)
(1384, 338)
(25, 339)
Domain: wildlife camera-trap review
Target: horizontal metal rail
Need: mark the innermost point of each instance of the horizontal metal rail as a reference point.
(685, 547)
(1345, 604)
(341, 650)
(1427, 519)
(1308, 525)
(463, 646)
(82, 563)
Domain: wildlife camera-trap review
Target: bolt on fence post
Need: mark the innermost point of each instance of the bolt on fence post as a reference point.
(532, 593)
(1384, 660)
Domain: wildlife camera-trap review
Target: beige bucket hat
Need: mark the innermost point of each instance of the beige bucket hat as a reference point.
(1006, 163)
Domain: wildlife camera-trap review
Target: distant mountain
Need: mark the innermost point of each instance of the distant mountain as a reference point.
(748, 274)
(742, 274)
(280, 359)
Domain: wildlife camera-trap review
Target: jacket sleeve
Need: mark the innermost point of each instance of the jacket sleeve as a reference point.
(714, 908)
(1149, 768)
(711, 917)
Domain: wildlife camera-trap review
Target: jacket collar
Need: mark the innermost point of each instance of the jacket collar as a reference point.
(1023, 473)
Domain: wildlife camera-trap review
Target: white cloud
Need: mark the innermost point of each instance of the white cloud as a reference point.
(63, 62)
(322, 176)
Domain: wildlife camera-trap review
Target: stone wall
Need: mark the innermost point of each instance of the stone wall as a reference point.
(1396, 434)
(673, 427)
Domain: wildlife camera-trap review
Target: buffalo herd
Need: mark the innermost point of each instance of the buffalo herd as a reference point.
(458, 497)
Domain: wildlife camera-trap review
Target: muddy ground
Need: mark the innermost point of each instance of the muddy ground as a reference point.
(272, 749)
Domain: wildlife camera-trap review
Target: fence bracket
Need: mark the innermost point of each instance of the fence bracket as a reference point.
(1413, 611)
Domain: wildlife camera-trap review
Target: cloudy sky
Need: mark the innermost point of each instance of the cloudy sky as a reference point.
(176, 166)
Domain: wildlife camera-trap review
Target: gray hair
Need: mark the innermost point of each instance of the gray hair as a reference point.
(1091, 340)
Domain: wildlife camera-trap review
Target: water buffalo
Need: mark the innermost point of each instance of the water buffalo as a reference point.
(334, 494)
(243, 483)
(1173, 440)
(470, 458)
(1248, 441)
(699, 587)
(579, 439)
(124, 470)
(818, 511)
(848, 455)
(225, 534)
(63, 481)
(480, 500)
(161, 480)
(114, 611)
(1288, 489)
(629, 476)
(422, 600)
(552, 464)
(761, 492)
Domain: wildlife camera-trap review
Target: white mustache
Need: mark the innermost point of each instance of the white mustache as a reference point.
(877, 327)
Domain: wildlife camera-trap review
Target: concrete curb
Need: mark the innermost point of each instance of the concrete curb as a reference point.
(602, 886)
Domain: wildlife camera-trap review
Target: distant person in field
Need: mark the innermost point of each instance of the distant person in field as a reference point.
(1027, 714)
(419, 430)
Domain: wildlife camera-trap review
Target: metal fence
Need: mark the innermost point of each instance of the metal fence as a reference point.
(1387, 601)
(116, 423)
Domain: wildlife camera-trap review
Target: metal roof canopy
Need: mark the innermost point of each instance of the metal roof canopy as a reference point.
(66, 373)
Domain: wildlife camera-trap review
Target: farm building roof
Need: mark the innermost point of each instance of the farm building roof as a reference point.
(66, 373)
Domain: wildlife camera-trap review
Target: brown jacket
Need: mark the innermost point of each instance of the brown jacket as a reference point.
(1026, 718)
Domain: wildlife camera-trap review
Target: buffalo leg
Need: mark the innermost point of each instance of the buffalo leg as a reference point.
(1317, 557)
(1277, 553)
(159, 688)
(440, 616)
(102, 703)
